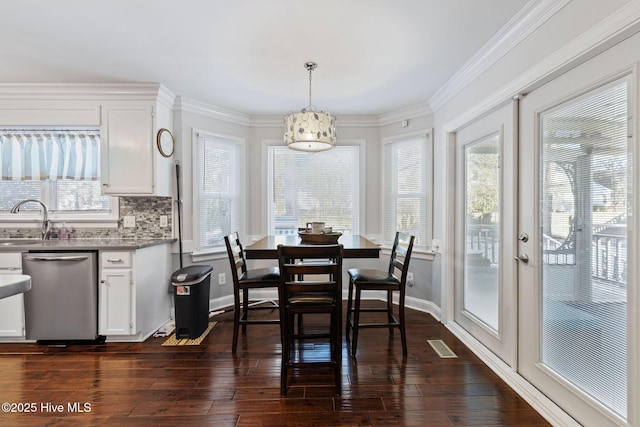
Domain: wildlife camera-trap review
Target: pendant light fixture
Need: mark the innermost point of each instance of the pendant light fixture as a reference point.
(310, 130)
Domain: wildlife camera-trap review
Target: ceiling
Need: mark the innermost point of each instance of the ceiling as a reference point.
(374, 56)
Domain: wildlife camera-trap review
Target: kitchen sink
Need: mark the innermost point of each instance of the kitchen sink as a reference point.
(16, 242)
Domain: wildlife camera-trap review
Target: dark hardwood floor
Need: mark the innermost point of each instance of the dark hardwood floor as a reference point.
(149, 384)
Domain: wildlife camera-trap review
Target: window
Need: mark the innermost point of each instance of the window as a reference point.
(219, 164)
(57, 166)
(306, 187)
(407, 187)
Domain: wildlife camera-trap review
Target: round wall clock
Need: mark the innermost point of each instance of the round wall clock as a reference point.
(165, 142)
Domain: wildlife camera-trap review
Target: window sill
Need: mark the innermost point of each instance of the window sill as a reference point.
(418, 252)
(209, 255)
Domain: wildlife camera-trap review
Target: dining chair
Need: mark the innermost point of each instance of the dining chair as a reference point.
(245, 280)
(392, 280)
(310, 288)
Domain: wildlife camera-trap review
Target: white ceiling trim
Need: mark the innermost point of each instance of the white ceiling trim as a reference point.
(406, 113)
(84, 91)
(204, 109)
(531, 17)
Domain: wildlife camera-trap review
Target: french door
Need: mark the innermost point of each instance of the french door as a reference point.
(485, 280)
(576, 215)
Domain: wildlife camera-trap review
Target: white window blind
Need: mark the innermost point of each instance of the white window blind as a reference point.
(307, 187)
(218, 189)
(407, 188)
(585, 203)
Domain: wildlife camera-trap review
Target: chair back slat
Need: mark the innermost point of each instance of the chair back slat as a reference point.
(236, 256)
(321, 270)
(401, 255)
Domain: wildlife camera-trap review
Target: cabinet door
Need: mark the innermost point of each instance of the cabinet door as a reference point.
(127, 153)
(12, 316)
(117, 300)
(11, 308)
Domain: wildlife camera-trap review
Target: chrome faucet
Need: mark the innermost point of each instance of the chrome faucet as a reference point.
(46, 224)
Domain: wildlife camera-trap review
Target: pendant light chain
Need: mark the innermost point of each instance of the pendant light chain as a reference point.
(310, 66)
(310, 71)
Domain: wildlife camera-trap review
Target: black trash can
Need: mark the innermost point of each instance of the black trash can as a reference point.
(191, 297)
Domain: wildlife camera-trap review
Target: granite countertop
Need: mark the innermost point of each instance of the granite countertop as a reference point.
(18, 245)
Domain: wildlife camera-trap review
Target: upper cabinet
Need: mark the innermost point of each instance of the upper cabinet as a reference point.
(127, 157)
(131, 163)
(129, 117)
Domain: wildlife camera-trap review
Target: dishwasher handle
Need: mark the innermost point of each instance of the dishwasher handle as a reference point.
(56, 258)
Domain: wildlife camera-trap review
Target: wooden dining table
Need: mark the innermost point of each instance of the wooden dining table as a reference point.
(355, 246)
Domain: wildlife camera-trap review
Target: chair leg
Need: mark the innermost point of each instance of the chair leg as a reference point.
(403, 333)
(349, 306)
(356, 322)
(390, 311)
(286, 352)
(245, 309)
(337, 348)
(236, 323)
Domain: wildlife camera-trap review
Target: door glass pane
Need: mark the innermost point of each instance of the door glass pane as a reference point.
(584, 184)
(482, 230)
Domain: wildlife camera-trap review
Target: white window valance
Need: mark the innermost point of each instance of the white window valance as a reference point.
(50, 155)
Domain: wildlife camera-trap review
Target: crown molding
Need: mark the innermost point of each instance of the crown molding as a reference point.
(358, 121)
(197, 107)
(267, 121)
(618, 26)
(531, 17)
(406, 113)
(166, 97)
(82, 91)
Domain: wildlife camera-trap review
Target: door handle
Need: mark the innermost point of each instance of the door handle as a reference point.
(56, 258)
(523, 257)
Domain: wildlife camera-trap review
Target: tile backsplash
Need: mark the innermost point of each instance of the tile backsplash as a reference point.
(147, 212)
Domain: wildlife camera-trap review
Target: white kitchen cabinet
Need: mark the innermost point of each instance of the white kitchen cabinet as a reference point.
(11, 308)
(127, 155)
(131, 163)
(133, 296)
(116, 294)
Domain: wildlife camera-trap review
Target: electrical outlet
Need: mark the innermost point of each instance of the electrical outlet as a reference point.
(410, 281)
(222, 278)
(164, 221)
(129, 221)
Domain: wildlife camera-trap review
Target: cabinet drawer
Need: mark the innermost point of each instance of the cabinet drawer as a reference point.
(10, 262)
(115, 259)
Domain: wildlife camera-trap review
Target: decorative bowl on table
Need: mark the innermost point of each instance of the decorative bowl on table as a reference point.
(321, 239)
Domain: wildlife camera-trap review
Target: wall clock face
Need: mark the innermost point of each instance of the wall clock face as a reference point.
(165, 142)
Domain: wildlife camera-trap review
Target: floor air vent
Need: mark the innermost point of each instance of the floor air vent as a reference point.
(442, 349)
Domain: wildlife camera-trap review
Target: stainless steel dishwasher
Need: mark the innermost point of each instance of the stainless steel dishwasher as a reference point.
(62, 304)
